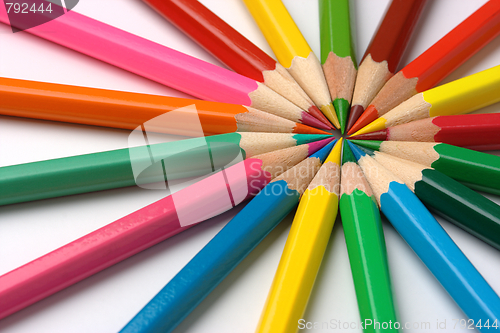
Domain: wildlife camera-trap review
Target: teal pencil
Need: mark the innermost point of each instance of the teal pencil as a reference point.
(138, 165)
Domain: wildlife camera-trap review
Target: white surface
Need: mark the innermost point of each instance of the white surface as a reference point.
(106, 301)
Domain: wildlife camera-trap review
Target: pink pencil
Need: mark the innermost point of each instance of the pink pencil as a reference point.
(164, 65)
(144, 228)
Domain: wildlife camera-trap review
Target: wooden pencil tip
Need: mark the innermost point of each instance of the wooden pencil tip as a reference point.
(347, 155)
(313, 147)
(341, 106)
(376, 125)
(356, 151)
(377, 135)
(304, 129)
(329, 112)
(356, 112)
(323, 153)
(373, 145)
(370, 115)
(335, 154)
(316, 113)
(308, 119)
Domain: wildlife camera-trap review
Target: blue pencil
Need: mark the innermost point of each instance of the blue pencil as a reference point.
(227, 249)
(431, 243)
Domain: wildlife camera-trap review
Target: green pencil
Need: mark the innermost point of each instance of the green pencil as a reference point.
(365, 241)
(138, 165)
(337, 55)
(477, 170)
(459, 204)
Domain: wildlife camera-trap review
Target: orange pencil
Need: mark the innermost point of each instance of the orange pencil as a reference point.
(118, 109)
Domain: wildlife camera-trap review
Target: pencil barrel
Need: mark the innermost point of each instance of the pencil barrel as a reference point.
(215, 261)
(368, 259)
(464, 207)
(440, 254)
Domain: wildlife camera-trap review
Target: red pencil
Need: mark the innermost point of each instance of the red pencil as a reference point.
(473, 131)
(384, 53)
(439, 61)
(233, 49)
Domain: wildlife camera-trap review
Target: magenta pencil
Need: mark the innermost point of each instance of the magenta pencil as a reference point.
(162, 64)
(144, 228)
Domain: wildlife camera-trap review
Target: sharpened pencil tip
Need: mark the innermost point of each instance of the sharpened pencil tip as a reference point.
(358, 153)
(316, 113)
(356, 112)
(308, 119)
(373, 145)
(342, 109)
(323, 153)
(347, 155)
(317, 145)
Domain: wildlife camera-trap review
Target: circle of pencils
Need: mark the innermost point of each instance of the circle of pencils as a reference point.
(261, 139)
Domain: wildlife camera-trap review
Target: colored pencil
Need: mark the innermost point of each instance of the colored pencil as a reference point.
(365, 242)
(457, 97)
(233, 49)
(160, 162)
(431, 242)
(472, 131)
(227, 249)
(439, 61)
(126, 110)
(384, 53)
(162, 64)
(337, 55)
(459, 204)
(477, 170)
(293, 52)
(144, 228)
(304, 249)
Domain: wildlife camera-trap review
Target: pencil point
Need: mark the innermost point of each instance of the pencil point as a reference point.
(358, 153)
(342, 109)
(377, 135)
(323, 153)
(373, 145)
(308, 138)
(370, 115)
(304, 129)
(329, 112)
(313, 147)
(347, 155)
(356, 112)
(376, 125)
(335, 154)
(308, 119)
(316, 113)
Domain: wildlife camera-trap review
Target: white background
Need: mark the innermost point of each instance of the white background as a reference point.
(106, 301)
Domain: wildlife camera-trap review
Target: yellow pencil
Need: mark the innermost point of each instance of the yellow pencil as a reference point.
(293, 52)
(457, 97)
(304, 249)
